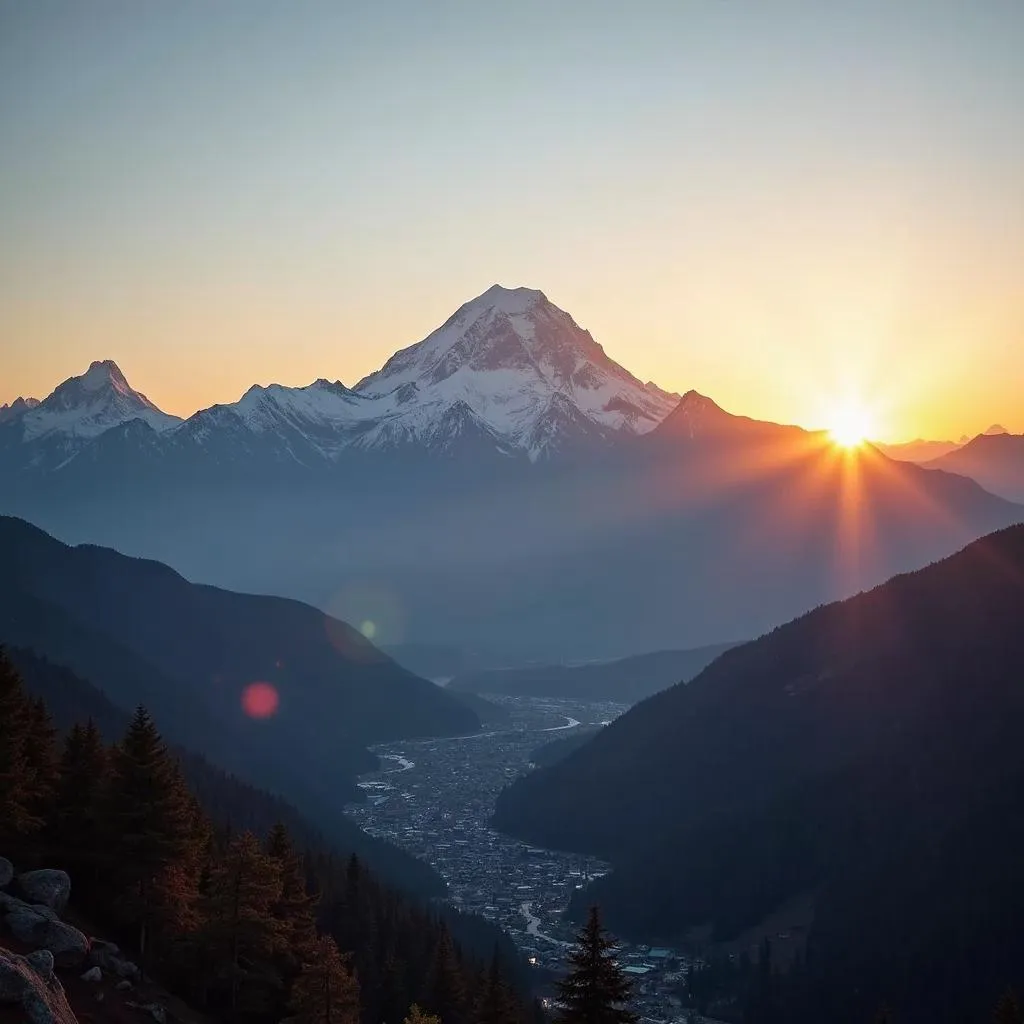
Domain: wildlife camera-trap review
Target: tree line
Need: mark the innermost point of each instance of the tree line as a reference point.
(249, 927)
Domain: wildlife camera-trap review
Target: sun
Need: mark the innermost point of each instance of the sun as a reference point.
(851, 426)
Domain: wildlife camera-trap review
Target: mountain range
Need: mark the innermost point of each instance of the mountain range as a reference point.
(626, 680)
(995, 460)
(508, 371)
(853, 776)
(502, 487)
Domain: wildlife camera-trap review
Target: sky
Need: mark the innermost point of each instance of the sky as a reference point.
(784, 205)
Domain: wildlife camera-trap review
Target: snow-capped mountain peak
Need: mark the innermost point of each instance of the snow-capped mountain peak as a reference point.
(103, 373)
(506, 354)
(512, 301)
(87, 405)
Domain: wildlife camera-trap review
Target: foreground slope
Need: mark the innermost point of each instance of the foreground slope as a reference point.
(189, 652)
(866, 755)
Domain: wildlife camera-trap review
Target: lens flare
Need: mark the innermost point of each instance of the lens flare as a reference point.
(374, 610)
(260, 700)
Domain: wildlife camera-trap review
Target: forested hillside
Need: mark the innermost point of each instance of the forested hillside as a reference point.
(225, 797)
(248, 926)
(865, 757)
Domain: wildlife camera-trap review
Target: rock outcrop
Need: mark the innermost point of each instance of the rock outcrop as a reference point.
(33, 917)
(6, 872)
(29, 982)
(67, 944)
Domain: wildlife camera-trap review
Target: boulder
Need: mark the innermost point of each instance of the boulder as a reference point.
(107, 956)
(67, 944)
(93, 974)
(41, 999)
(41, 961)
(47, 885)
(124, 985)
(6, 872)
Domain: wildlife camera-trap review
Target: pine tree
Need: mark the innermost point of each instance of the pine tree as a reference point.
(148, 826)
(240, 928)
(176, 889)
(446, 987)
(495, 1005)
(1008, 1009)
(595, 991)
(16, 817)
(40, 757)
(395, 988)
(294, 907)
(74, 826)
(326, 992)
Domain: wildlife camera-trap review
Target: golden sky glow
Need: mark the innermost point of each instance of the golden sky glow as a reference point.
(851, 425)
(785, 206)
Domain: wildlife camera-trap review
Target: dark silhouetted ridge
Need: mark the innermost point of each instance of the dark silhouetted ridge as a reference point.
(866, 756)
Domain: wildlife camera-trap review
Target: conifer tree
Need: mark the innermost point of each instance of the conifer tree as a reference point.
(16, 817)
(326, 991)
(74, 826)
(148, 825)
(243, 887)
(297, 939)
(395, 988)
(446, 987)
(595, 991)
(176, 888)
(495, 1004)
(40, 756)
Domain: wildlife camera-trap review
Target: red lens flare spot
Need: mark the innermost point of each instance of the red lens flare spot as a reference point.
(259, 700)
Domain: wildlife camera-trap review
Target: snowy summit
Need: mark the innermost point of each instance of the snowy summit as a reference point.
(524, 368)
(89, 405)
